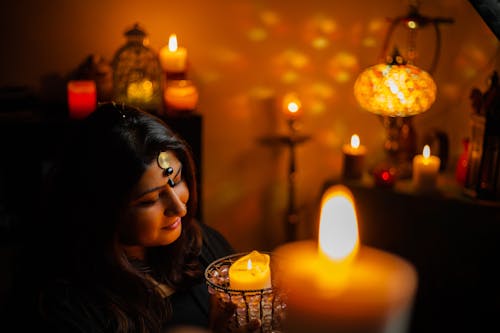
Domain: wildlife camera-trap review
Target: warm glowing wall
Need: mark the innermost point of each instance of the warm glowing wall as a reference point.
(243, 52)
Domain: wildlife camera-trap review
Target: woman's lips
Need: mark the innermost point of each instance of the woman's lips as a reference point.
(174, 225)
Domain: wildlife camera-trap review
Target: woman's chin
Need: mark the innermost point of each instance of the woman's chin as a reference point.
(171, 235)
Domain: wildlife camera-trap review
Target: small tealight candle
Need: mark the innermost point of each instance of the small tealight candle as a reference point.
(82, 98)
(172, 57)
(354, 157)
(180, 95)
(425, 171)
(250, 272)
(338, 285)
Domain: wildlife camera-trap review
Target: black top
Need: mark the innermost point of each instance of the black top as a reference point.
(191, 307)
(68, 306)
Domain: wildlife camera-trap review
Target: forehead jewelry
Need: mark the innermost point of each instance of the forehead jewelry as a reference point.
(164, 163)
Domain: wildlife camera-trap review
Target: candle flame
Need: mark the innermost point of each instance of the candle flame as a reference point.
(427, 151)
(291, 104)
(172, 43)
(338, 226)
(355, 141)
(249, 264)
(293, 107)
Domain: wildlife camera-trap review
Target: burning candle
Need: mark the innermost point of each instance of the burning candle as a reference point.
(82, 98)
(425, 171)
(338, 285)
(180, 95)
(354, 157)
(292, 107)
(250, 272)
(173, 58)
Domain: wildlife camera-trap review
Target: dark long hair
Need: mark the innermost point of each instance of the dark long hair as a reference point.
(109, 152)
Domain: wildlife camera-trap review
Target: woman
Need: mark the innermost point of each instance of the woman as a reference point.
(120, 250)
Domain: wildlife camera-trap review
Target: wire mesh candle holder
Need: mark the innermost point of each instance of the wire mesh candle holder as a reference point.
(267, 304)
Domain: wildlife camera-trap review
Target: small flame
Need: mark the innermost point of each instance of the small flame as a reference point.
(293, 107)
(172, 43)
(249, 264)
(427, 151)
(338, 226)
(355, 141)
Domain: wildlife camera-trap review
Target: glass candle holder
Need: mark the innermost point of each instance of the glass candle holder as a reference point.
(266, 305)
(180, 96)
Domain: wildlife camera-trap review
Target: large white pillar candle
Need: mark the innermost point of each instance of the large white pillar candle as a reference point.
(337, 285)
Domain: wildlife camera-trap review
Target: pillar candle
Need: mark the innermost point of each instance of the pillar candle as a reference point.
(425, 171)
(82, 98)
(173, 58)
(354, 157)
(338, 285)
(250, 272)
(180, 95)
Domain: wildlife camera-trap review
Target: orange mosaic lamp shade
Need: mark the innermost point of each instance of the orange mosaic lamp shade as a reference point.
(395, 90)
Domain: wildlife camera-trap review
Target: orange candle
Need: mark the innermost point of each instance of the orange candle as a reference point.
(338, 285)
(82, 98)
(354, 157)
(180, 95)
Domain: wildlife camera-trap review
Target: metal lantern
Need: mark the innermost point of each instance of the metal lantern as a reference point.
(137, 73)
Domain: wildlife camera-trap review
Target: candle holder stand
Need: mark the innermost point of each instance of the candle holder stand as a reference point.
(291, 140)
(267, 304)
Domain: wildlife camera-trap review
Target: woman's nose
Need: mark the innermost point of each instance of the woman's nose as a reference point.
(174, 205)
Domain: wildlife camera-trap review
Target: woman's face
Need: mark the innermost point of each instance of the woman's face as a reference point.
(153, 215)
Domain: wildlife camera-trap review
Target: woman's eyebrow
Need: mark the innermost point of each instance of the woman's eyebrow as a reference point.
(157, 188)
(154, 189)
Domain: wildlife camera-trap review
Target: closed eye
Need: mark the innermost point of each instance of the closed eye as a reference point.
(148, 202)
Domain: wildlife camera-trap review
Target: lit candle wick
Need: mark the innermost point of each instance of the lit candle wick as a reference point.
(427, 151)
(172, 43)
(249, 264)
(355, 142)
(293, 107)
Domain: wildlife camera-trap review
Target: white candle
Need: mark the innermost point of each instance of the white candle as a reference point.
(250, 272)
(354, 156)
(425, 171)
(173, 58)
(338, 285)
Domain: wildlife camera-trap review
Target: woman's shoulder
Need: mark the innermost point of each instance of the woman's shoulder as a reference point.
(215, 245)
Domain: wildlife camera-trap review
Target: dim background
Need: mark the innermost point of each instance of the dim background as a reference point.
(243, 56)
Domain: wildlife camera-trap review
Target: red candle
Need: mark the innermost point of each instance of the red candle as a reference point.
(82, 98)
